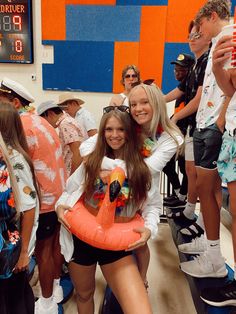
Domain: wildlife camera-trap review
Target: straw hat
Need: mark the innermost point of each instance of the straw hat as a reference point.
(68, 96)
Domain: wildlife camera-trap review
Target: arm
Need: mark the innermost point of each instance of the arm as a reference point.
(190, 108)
(220, 55)
(221, 119)
(153, 207)
(73, 189)
(92, 132)
(173, 95)
(88, 146)
(166, 147)
(76, 158)
(26, 230)
(28, 205)
(151, 214)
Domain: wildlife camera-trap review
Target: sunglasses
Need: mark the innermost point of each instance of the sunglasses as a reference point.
(131, 75)
(120, 108)
(193, 36)
(146, 82)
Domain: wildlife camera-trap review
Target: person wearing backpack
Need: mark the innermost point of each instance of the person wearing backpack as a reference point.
(19, 210)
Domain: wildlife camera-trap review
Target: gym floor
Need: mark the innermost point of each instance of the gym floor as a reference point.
(168, 291)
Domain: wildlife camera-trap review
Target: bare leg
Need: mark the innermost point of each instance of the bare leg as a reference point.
(83, 278)
(57, 256)
(209, 190)
(143, 259)
(192, 178)
(125, 281)
(232, 193)
(45, 258)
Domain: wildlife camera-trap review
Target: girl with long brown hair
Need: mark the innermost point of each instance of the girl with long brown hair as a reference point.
(116, 140)
(17, 175)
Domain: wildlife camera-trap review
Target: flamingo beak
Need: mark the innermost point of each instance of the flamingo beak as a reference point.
(117, 179)
(115, 188)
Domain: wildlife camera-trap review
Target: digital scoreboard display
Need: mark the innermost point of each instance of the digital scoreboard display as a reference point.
(16, 38)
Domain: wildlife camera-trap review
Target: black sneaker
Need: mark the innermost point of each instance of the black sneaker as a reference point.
(220, 296)
(169, 198)
(175, 203)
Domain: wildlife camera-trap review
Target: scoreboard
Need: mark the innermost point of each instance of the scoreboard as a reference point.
(16, 33)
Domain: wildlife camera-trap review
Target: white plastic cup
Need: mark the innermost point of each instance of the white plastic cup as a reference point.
(230, 63)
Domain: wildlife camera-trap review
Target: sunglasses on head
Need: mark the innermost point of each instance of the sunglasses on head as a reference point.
(146, 82)
(195, 35)
(131, 75)
(120, 108)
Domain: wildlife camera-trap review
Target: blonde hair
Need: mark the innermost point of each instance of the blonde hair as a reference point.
(160, 118)
(13, 181)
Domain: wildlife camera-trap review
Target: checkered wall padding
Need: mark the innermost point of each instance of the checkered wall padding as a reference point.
(94, 39)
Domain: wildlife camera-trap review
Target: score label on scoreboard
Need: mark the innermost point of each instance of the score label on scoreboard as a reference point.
(16, 34)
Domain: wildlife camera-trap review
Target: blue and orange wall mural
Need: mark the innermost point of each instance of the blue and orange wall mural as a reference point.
(94, 39)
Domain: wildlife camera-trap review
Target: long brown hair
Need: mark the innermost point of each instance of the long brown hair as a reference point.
(13, 134)
(138, 174)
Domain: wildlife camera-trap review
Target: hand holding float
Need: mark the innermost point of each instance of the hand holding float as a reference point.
(145, 234)
(60, 210)
(102, 231)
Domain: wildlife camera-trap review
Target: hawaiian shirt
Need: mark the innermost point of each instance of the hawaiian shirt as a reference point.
(69, 132)
(46, 153)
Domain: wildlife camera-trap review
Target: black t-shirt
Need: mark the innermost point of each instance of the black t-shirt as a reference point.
(189, 86)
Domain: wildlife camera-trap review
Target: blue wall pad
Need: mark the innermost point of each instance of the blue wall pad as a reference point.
(233, 7)
(84, 66)
(141, 2)
(172, 50)
(103, 23)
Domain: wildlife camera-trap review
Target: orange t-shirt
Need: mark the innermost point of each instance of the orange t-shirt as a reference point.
(46, 153)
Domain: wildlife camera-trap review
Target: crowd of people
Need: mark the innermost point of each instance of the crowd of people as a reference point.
(45, 172)
(209, 90)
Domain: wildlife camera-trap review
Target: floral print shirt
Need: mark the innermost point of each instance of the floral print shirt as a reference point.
(9, 233)
(46, 153)
(69, 132)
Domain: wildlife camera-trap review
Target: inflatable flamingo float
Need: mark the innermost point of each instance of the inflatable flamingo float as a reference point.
(102, 231)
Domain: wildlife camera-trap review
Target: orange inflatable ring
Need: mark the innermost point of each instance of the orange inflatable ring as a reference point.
(102, 231)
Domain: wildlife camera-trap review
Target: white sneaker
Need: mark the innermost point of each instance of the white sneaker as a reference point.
(40, 309)
(202, 267)
(57, 293)
(196, 246)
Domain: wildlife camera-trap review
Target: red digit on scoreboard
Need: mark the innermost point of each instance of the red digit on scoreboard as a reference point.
(17, 23)
(18, 46)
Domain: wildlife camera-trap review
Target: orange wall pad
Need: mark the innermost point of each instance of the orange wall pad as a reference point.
(180, 13)
(152, 42)
(94, 2)
(124, 53)
(53, 20)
